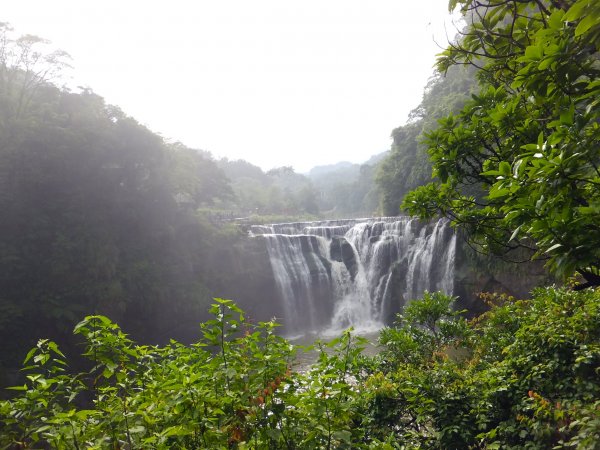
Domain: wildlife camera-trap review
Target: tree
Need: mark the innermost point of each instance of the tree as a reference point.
(26, 66)
(403, 169)
(197, 178)
(91, 221)
(407, 166)
(519, 165)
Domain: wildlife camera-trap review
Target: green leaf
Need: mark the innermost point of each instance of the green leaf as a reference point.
(176, 430)
(343, 436)
(534, 52)
(546, 62)
(452, 5)
(515, 233)
(29, 355)
(566, 117)
(556, 19)
(540, 140)
(554, 247)
(52, 346)
(586, 23)
(575, 11)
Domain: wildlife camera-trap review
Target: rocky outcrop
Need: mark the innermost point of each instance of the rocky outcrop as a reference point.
(340, 250)
(249, 281)
(476, 274)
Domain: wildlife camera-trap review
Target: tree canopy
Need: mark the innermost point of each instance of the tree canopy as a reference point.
(346, 189)
(102, 215)
(519, 165)
(524, 375)
(91, 214)
(407, 165)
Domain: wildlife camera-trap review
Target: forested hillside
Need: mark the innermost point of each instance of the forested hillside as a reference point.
(517, 166)
(407, 166)
(98, 212)
(102, 215)
(280, 191)
(347, 190)
(338, 190)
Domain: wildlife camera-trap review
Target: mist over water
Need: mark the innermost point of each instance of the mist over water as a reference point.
(332, 275)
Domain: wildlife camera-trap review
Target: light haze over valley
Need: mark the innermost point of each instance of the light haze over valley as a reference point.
(192, 191)
(294, 83)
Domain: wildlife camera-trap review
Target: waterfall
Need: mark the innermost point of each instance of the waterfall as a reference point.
(356, 272)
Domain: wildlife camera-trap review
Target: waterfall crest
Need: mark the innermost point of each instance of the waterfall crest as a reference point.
(356, 272)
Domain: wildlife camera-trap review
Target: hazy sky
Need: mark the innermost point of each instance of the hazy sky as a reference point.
(275, 82)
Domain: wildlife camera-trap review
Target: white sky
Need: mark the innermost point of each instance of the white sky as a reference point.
(275, 82)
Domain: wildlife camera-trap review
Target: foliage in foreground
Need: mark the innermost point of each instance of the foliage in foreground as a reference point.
(524, 375)
(518, 166)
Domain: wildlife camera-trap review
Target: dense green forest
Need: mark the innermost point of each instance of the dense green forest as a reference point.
(407, 166)
(335, 191)
(278, 192)
(524, 375)
(518, 166)
(102, 218)
(346, 189)
(101, 215)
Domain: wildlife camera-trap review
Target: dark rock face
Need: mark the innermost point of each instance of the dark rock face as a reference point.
(475, 274)
(340, 250)
(250, 282)
(397, 289)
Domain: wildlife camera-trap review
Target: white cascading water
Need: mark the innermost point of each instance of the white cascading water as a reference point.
(357, 273)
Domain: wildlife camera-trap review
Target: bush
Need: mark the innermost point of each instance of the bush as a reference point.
(523, 375)
(528, 377)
